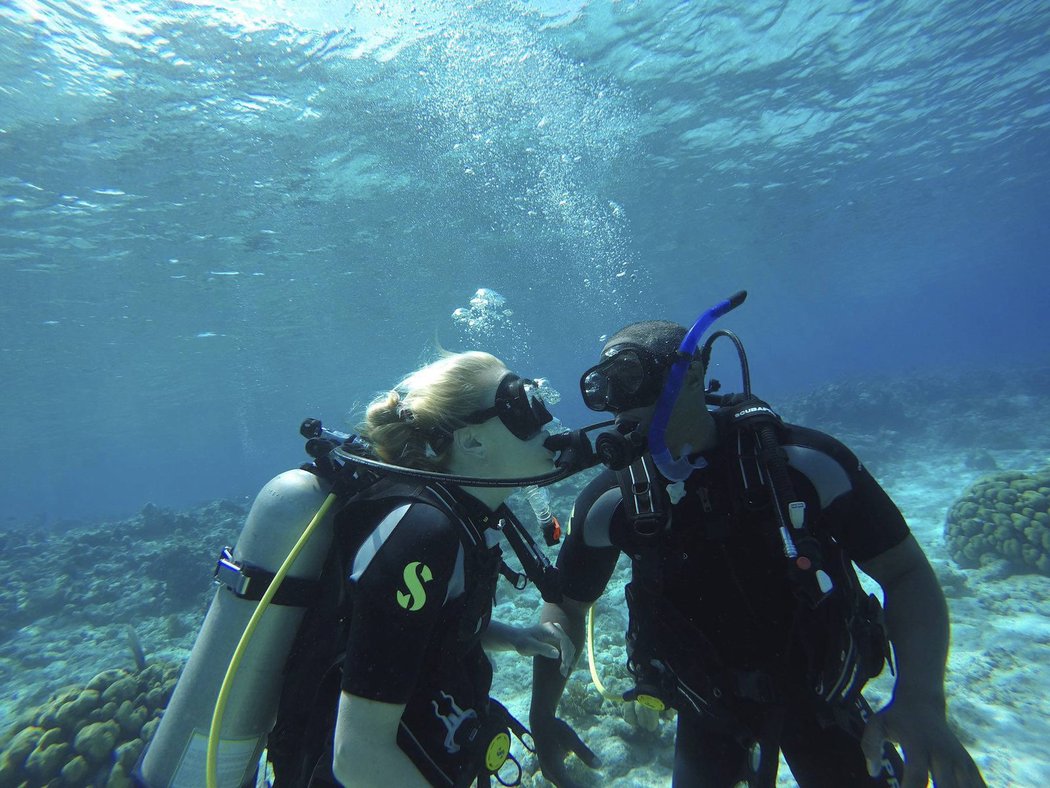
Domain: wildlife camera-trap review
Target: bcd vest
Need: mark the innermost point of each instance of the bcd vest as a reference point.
(300, 747)
(834, 633)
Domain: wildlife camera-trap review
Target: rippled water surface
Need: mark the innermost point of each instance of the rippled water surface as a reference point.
(219, 218)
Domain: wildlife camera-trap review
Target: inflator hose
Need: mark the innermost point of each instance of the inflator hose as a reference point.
(212, 762)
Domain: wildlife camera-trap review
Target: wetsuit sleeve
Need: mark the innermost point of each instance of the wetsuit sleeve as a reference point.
(874, 523)
(399, 581)
(865, 520)
(587, 559)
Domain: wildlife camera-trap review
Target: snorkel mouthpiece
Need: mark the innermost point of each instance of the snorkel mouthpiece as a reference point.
(676, 377)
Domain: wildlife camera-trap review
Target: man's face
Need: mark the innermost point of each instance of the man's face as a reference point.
(689, 422)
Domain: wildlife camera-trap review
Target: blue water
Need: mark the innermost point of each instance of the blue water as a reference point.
(220, 218)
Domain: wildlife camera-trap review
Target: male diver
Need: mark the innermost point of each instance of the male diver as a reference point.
(746, 615)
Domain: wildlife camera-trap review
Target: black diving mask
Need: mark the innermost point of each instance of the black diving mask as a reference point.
(627, 377)
(518, 405)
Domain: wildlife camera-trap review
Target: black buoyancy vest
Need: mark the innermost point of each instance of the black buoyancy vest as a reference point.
(300, 746)
(839, 632)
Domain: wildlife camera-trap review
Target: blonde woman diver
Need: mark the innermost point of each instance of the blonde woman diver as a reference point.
(417, 582)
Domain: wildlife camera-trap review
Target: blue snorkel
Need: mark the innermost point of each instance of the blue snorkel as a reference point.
(676, 377)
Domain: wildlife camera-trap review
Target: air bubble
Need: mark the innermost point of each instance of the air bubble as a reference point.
(489, 324)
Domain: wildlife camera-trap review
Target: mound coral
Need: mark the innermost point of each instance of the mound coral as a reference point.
(90, 735)
(1003, 516)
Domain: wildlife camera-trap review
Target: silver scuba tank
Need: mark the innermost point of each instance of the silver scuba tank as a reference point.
(176, 756)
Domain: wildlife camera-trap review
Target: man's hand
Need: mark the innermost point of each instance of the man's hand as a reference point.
(930, 747)
(554, 740)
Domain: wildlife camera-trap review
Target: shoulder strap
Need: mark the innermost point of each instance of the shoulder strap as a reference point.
(646, 509)
(644, 499)
(537, 566)
(754, 417)
(436, 495)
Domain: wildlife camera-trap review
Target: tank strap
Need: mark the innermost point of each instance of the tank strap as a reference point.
(249, 581)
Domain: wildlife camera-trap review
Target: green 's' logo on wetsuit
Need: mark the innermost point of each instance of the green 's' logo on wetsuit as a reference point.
(415, 574)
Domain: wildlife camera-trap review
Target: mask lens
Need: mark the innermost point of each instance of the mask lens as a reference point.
(524, 412)
(539, 409)
(614, 384)
(595, 388)
(530, 411)
(627, 373)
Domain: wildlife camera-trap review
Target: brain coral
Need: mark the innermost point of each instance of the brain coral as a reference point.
(90, 735)
(1006, 515)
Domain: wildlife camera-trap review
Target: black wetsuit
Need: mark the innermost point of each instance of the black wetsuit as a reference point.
(726, 608)
(422, 596)
(418, 577)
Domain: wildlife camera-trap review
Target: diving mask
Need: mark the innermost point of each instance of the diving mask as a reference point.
(518, 405)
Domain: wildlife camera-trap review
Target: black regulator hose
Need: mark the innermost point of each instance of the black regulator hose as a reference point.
(573, 446)
(745, 370)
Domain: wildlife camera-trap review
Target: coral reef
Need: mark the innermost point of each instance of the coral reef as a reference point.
(880, 417)
(1003, 516)
(72, 577)
(89, 735)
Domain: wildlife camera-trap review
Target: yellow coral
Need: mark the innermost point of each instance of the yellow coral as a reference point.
(1006, 515)
(82, 730)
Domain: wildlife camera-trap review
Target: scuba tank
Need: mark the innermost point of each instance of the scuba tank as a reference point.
(177, 754)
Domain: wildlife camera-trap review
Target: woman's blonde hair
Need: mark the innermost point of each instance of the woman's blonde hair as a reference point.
(412, 425)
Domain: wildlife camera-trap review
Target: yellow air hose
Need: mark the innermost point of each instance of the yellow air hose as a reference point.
(591, 662)
(590, 637)
(211, 764)
(651, 703)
